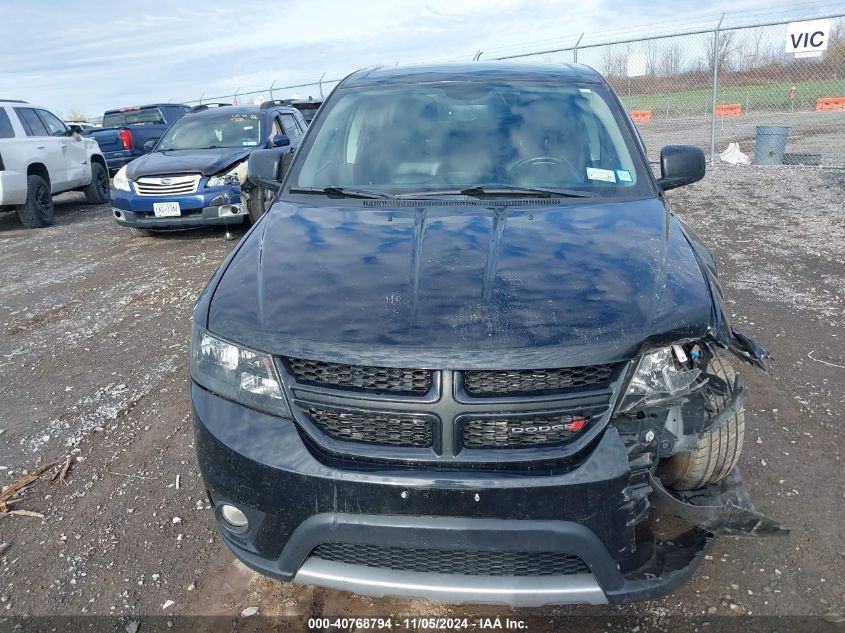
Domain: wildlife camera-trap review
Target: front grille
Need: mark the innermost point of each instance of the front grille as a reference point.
(374, 427)
(535, 381)
(521, 432)
(360, 377)
(167, 185)
(446, 416)
(471, 563)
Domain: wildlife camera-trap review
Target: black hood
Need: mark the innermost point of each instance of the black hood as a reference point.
(463, 286)
(188, 161)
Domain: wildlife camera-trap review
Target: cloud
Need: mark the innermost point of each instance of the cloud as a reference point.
(98, 55)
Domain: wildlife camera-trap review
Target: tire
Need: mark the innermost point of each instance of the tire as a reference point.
(142, 232)
(718, 450)
(97, 192)
(37, 211)
(256, 202)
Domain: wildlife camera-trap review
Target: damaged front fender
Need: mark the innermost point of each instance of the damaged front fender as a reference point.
(722, 509)
(721, 331)
(748, 349)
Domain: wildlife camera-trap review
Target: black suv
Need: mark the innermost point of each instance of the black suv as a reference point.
(470, 354)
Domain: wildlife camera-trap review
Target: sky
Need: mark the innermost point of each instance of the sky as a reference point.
(93, 55)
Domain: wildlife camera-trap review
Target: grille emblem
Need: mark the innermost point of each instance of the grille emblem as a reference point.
(575, 425)
(167, 181)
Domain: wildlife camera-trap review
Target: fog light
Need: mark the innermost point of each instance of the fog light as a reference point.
(233, 516)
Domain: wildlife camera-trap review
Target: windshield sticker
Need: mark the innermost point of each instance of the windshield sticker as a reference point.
(250, 143)
(586, 91)
(623, 175)
(244, 117)
(605, 175)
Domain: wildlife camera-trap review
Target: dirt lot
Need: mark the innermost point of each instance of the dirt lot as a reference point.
(94, 328)
(821, 133)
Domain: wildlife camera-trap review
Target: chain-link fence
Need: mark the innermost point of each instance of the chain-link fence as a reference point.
(671, 83)
(306, 90)
(711, 86)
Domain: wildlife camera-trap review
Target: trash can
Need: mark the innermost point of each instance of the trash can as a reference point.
(771, 144)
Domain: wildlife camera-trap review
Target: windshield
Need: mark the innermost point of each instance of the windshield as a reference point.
(448, 137)
(213, 131)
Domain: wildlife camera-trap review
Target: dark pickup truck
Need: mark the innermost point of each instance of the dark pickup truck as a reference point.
(126, 130)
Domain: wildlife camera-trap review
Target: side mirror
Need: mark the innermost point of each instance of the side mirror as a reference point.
(267, 167)
(680, 165)
(75, 129)
(280, 140)
(150, 145)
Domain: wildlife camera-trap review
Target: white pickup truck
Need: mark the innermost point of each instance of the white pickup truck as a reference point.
(41, 156)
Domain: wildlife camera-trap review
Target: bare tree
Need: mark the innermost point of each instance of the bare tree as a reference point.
(671, 60)
(725, 50)
(835, 55)
(614, 63)
(651, 50)
(76, 115)
(742, 55)
(756, 47)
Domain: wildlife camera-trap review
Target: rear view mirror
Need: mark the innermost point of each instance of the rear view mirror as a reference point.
(280, 140)
(680, 165)
(150, 145)
(267, 167)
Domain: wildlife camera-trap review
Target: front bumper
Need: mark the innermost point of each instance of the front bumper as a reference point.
(208, 206)
(297, 499)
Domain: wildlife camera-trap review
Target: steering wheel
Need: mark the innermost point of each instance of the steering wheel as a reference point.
(545, 160)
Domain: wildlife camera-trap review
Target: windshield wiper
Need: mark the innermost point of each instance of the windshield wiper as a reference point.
(342, 192)
(503, 190)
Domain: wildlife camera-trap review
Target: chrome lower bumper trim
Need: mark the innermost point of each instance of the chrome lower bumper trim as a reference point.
(515, 591)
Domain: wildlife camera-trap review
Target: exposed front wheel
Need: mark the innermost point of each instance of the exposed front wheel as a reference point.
(717, 451)
(38, 210)
(97, 192)
(258, 201)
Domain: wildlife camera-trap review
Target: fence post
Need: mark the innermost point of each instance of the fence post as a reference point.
(715, 91)
(575, 50)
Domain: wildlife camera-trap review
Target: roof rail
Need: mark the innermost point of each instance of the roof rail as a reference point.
(206, 106)
(14, 101)
(276, 102)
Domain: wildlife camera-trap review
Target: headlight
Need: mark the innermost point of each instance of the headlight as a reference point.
(235, 176)
(658, 378)
(120, 180)
(236, 373)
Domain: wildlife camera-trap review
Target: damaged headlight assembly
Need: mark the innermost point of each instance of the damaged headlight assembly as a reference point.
(235, 176)
(658, 378)
(237, 373)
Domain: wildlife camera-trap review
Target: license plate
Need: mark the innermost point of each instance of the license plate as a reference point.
(166, 209)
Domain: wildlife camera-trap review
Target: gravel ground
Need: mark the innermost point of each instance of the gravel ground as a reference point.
(94, 327)
(821, 133)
